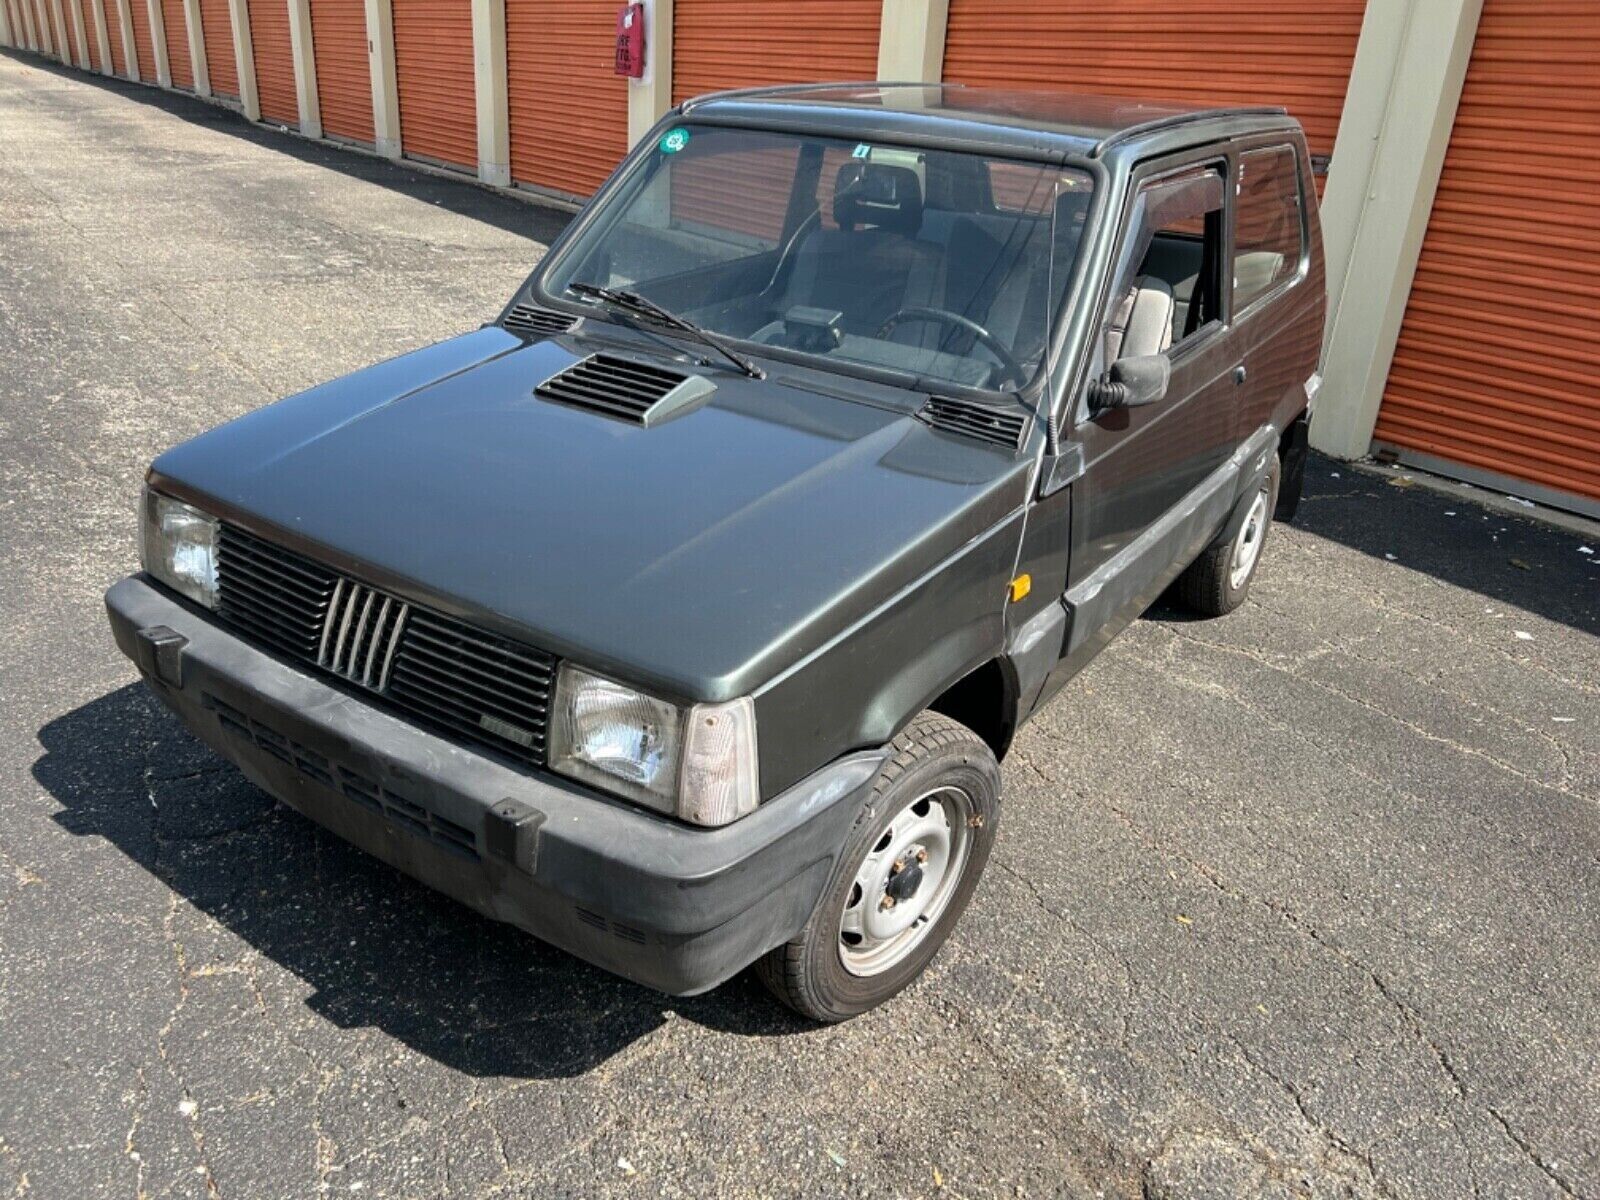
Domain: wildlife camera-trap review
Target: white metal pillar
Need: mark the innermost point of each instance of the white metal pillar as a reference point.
(489, 69)
(197, 47)
(650, 96)
(385, 92)
(158, 39)
(1404, 88)
(911, 40)
(244, 55)
(305, 68)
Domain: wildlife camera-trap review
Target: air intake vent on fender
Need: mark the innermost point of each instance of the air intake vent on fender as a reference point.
(625, 388)
(528, 321)
(1003, 427)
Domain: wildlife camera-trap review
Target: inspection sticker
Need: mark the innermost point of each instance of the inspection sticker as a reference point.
(862, 150)
(674, 140)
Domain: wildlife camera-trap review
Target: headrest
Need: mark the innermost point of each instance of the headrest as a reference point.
(869, 193)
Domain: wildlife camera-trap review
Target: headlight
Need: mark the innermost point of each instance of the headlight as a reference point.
(178, 545)
(698, 763)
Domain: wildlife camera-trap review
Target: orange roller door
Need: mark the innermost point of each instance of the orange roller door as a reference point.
(744, 43)
(87, 8)
(1494, 374)
(216, 29)
(274, 60)
(144, 46)
(568, 107)
(177, 29)
(434, 75)
(344, 78)
(1290, 52)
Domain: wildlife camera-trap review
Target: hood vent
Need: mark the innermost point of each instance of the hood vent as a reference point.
(625, 388)
(1002, 427)
(528, 321)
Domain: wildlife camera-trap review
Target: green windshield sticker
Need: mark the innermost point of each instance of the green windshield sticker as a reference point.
(674, 140)
(861, 151)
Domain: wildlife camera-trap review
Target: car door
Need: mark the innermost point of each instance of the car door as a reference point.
(1135, 518)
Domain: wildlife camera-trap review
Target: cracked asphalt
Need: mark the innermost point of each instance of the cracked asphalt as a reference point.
(1302, 902)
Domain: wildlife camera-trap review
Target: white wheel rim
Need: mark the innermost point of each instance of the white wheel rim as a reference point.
(905, 882)
(1247, 546)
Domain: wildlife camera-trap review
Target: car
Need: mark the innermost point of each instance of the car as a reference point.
(683, 614)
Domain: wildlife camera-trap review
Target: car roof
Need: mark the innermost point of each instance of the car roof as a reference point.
(1054, 124)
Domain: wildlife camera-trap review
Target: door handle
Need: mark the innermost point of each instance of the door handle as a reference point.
(1240, 374)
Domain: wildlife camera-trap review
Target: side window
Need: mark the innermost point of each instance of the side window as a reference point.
(1270, 233)
(1167, 287)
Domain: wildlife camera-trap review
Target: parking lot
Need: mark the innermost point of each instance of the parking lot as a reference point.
(1302, 902)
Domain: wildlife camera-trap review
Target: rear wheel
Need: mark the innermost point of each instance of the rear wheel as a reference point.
(906, 874)
(1217, 582)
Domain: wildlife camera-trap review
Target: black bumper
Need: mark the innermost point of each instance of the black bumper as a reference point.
(676, 908)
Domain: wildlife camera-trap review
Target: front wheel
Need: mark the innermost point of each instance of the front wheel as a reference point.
(904, 877)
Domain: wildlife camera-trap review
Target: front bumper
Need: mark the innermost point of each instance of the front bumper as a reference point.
(675, 908)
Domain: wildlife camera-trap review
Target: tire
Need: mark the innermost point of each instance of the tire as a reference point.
(1217, 582)
(940, 774)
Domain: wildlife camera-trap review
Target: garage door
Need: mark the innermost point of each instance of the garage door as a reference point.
(1296, 53)
(217, 31)
(433, 72)
(344, 77)
(1494, 375)
(274, 60)
(177, 30)
(144, 46)
(87, 8)
(568, 107)
(743, 43)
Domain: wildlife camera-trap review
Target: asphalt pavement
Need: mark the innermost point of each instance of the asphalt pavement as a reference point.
(1302, 902)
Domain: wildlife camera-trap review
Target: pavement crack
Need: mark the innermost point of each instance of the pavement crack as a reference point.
(1533, 1156)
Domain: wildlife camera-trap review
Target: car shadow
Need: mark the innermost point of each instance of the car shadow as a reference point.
(377, 949)
(1518, 561)
(464, 196)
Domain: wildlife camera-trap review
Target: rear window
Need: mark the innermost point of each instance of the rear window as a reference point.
(1269, 240)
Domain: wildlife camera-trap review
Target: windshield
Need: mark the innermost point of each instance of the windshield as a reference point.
(931, 262)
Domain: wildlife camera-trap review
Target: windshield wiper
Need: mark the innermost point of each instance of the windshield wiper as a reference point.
(633, 302)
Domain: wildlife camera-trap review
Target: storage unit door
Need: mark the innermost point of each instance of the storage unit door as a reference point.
(177, 28)
(274, 59)
(1296, 53)
(1494, 377)
(87, 7)
(217, 32)
(569, 108)
(143, 44)
(434, 75)
(344, 77)
(743, 43)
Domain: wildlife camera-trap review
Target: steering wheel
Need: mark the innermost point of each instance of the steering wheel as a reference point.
(1010, 368)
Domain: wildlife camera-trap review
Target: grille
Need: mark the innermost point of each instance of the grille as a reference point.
(618, 387)
(480, 687)
(528, 320)
(361, 633)
(975, 421)
(464, 682)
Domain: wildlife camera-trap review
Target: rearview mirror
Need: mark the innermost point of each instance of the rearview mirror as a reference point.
(1131, 383)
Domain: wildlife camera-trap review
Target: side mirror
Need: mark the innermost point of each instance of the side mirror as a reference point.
(1131, 383)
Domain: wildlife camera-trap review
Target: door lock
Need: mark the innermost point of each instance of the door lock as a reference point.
(1240, 374)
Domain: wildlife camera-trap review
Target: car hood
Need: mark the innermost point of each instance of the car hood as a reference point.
(700, 556)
